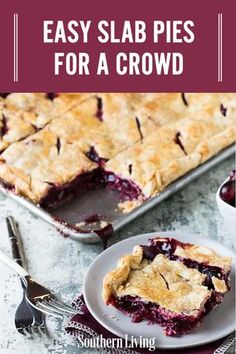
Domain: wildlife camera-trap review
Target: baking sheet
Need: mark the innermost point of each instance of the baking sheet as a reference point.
(104, 202)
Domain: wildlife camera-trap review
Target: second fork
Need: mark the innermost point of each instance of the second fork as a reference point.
(28, 320)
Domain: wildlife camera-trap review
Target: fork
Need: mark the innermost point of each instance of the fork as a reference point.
(28, 320)
(37, 295)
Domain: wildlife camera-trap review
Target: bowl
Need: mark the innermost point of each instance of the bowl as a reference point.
(226, 210)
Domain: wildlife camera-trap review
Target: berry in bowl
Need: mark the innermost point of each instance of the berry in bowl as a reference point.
(225, 198)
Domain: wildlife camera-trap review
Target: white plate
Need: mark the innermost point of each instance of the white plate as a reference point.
(216, 325)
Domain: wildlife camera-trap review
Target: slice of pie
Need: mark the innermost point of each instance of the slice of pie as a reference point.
(47, 169)
(82, 125)
(147, 167)
(168, 282)
(22, 114)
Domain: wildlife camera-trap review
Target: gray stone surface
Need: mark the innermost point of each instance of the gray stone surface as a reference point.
(62, 263)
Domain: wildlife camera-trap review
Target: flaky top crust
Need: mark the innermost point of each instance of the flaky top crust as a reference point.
(150, 139)
(167, 283)
(33, 165)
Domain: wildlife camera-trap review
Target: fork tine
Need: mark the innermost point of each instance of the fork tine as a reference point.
(61, 306)
(42, 330)
(76, 311)
(49, 310)
(20, 330)
(27, 331)
(60, 302)
(53, 305)
(36, 330)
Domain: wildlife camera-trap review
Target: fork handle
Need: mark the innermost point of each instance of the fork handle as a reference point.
(15, 240)
(15, 266)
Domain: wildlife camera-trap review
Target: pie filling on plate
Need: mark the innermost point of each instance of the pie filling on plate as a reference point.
(169, 283)
(55, 146)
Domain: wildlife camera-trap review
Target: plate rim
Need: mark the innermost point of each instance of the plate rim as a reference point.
(170, 233)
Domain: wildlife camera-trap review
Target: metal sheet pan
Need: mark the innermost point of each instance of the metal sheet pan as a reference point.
(104, 202)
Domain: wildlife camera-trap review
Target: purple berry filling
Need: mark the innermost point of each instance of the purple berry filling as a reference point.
(184, 99)
(99, 113)
(82, 183)
(7, 186)
(4, 127)
(127, 189)
(98, 178)
(174, 324)
(51, 96)
(179, 142)
(139, 127)
(94, 156)
(4, 94)
(223, 110)
(58, 145)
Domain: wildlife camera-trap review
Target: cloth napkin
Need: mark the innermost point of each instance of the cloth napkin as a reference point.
(85, 326)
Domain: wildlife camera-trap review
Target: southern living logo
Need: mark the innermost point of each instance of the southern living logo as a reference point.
(129, 342)
(107, 33)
